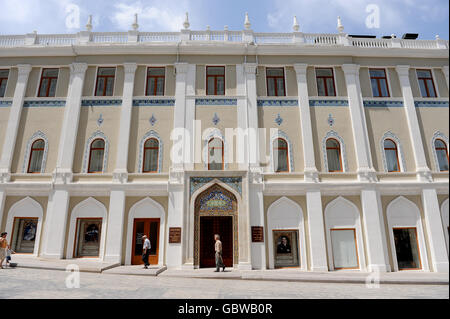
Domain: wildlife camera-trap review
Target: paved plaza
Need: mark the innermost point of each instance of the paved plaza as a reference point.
(40, 283)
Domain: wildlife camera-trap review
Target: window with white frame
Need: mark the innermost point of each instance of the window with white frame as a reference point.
(151, 156)
(155, 81)
(96, 156)
(379, 82)
(47, 87)
(426, 83)
(441, 154)
(215, 154)
(280, 155)
(36, 156)
(275, 82)
(391, 155)
(325, 82)
(105, 81)
(334, 158)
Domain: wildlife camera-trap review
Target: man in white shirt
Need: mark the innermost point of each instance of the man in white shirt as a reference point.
(146, 251)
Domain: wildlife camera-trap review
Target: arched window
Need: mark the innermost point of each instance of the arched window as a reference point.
(334, 155)
(215, 154)
(280, 155)
(151, 155)
(36, 156)
(96, 156)
(391, 153)
(442, 154)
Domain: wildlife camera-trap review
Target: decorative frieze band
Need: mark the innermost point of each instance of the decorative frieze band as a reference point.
(384, 103)
(262, 102)
(431, 103)
(233, 182)
(45, 103)
(154, 102)
(317, 102)
(115, 102)
(5, 103)
(216, 101)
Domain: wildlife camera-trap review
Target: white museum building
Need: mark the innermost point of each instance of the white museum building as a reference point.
(312, 151)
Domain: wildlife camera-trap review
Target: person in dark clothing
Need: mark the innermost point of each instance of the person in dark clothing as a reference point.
(146, 251)
(284, 247)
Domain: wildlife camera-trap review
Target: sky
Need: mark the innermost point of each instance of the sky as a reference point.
(368, 17)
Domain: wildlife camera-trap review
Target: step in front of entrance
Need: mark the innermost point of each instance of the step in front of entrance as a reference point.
(136, 270)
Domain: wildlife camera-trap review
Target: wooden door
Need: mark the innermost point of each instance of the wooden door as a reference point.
(209, 226)
(149, 227)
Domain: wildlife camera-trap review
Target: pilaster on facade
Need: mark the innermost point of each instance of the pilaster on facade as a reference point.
(310, 169)
(317, 243)
(120, 174)
(372, 213)
(252, 147)
(179, 120)
(55, 224)
(365, 170)
(176, 213)
(422, 170)
(116, 220)
(66, 151)
(257, 219)
(13, 122)
(435, 231)
(445, 71)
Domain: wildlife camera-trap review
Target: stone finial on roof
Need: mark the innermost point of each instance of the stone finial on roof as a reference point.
(135, 25)
(186, 23)
(89, 23)
(295, 26)
(340, 27)
(247, 24)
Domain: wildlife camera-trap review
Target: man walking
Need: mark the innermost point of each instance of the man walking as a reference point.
(146, 251)
(219, 260)
(3, 248)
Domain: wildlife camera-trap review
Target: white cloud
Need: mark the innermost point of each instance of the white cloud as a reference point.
(159, 17)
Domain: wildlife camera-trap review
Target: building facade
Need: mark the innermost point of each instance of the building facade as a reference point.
(105, 137)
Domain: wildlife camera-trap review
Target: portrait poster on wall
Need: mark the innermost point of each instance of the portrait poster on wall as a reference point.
(286, 248)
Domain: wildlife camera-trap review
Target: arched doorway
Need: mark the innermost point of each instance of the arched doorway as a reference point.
(24, 225)
(215, 213)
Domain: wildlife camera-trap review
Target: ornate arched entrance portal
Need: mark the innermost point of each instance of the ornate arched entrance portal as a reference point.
(215, 213)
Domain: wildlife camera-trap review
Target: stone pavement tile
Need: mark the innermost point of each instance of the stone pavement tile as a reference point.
(202, 273)
(294, 275)
(36, 283)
